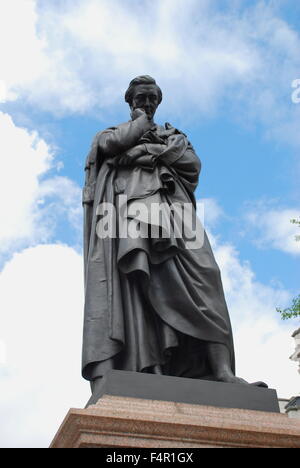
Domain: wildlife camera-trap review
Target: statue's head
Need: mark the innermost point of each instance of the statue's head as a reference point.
(143, 93)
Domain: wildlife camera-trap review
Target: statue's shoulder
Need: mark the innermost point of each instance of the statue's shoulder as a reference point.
(170, 130)
(92, 156)
(98, 135)
(173, 130)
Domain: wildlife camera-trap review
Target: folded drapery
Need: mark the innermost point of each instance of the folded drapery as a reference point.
(148, 300)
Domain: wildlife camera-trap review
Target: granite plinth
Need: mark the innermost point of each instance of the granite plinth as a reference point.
(182, 390)
(119, 422)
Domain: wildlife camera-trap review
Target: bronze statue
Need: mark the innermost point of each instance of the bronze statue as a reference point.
(151, 304)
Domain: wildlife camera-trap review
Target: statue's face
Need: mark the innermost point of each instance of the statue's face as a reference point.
(145, 97)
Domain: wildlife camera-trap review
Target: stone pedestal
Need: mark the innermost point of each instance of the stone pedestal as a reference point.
(138, 423)
(182, 390)
(137, 410)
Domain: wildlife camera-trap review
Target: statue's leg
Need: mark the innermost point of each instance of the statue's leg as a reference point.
(220, 362)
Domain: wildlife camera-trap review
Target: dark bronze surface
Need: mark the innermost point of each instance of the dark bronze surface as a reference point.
(150, 306)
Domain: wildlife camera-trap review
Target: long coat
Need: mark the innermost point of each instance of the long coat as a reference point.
(147, 301)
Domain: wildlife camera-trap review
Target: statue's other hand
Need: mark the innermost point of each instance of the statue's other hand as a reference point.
(136, 151)
(136, 113)
(131, 155)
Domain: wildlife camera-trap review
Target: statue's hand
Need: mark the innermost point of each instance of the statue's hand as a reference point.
(131, 155)
(136, 113)
(136, 151)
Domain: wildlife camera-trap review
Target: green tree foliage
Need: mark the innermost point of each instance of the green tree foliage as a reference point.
(291, 312)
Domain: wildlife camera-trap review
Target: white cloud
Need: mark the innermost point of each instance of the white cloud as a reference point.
(21, 51)
(41, 303)
(31, 201)
(24, 158)
(31, 66)
(212, 210)
(263, 343)
(271, 227)
(3, 354)
(41, 296)
(79, 56)
(58, 198)
(95, 47)
(40, 292)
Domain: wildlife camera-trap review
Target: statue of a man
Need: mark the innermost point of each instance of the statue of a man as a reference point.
(151, 304)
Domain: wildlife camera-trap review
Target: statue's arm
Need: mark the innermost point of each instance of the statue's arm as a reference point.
(110, 143)
(143, 154)
(117, 140)
(179, 155)
(188, 167)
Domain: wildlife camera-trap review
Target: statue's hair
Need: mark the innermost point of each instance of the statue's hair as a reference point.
(141, 80)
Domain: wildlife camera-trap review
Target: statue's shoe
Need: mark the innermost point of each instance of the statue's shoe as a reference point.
(260, 384)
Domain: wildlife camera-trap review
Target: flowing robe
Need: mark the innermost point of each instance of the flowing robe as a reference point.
(148, 301)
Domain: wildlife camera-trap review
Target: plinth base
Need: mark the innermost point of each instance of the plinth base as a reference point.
(182, 390)
(139, 423)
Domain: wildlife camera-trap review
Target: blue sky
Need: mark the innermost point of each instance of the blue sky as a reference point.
(226, 70)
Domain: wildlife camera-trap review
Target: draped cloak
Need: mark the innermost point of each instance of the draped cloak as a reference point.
(147, 301)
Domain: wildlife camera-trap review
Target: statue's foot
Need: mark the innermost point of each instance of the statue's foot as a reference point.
(228, 377)
(260, 384)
